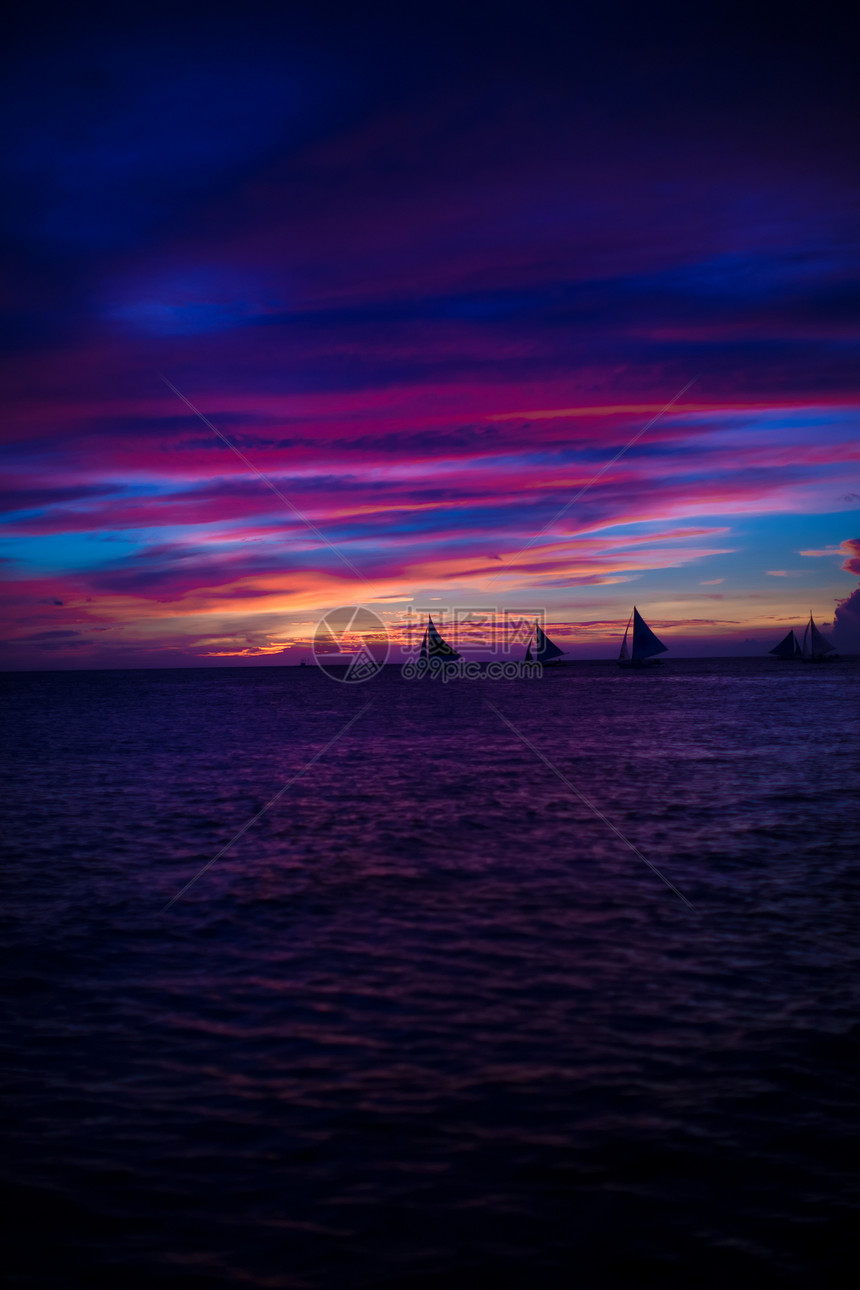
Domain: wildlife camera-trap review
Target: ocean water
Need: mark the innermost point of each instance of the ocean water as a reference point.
(430, 1021)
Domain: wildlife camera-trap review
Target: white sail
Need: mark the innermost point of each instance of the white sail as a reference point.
(645, 643)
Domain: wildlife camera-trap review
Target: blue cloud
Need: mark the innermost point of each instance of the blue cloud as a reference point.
(109, 139)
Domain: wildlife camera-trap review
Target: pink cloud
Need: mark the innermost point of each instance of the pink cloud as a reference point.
(851, 548)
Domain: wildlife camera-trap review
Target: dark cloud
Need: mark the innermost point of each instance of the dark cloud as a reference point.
(846, 617)
(50, 636)
(846, 624)
(35, 498)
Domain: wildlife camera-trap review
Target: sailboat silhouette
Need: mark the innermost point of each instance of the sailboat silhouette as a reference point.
(546, 651)
(816, 647)
(644, 644)
(788, 647)
(433, 646)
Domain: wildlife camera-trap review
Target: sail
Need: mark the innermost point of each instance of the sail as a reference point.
(433, 646)
(528, 657)
(645, 643)
(819, 645)
(787, 647)
(546, 650)
(622, 653)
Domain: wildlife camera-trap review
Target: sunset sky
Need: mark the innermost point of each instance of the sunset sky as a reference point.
(429, 272)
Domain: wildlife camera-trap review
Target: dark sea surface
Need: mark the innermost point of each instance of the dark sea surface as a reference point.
(430, 1022)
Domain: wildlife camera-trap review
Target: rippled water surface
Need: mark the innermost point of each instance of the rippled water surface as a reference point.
(430, 1022)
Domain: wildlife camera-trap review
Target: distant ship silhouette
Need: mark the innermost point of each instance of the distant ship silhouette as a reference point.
(816, 648)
